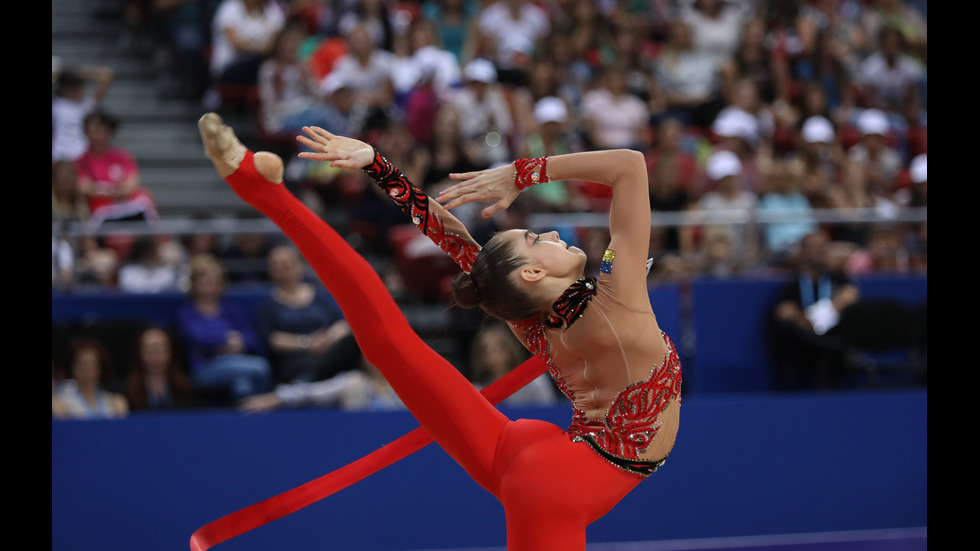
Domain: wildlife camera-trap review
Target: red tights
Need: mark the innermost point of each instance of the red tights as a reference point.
(550, 487)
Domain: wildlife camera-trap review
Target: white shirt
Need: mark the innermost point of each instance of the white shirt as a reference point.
(513, 36)
(68, 141)
(616, 119)
(347, 71)
(891, 84)
(231, 14)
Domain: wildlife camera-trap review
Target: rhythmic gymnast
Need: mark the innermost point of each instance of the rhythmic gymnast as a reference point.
(598, 337)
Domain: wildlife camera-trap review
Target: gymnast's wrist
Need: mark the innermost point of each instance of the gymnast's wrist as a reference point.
(529, 172)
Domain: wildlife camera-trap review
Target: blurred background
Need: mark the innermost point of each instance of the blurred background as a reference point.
(199, 367)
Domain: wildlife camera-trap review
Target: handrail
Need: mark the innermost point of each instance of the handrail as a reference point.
(232, 226)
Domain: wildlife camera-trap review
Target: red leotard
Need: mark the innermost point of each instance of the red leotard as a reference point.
(551, 488)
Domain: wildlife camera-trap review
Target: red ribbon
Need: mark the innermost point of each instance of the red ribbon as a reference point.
(276, 507)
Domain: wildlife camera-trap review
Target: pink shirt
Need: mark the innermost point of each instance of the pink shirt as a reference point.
(107, 171)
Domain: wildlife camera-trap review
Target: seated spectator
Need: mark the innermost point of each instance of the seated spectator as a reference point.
(62, 263)
(716, 28)
(553, 136)
(780, 196)
(303, 329)
(95, 263)
(72, 102)
(157, 380)
(882, 162)
(753, 59)
(375, 16)
(84, 395)
(289, 95)
(362, 389)
(222, 349)
(109, 177)
(613, 116)
(68, 203)
(724, 206)
(494, 353)
(245, 258)
(688, 81)
(183, 41)
(446, 151)
(366, 72)
(426, 60)
(806, 352)
(486, 120)
(819, 148)
(851, 190)
(146, 270)
(890, 79)
(453, 21)
(242, 36)
(509, 32)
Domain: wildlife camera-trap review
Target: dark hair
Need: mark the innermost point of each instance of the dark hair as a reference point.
(101, 117)
(489, 284)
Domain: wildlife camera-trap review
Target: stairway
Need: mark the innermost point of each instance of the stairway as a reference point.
(160, 133)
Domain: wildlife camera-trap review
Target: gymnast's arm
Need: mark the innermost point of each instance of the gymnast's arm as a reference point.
(431, 218)
(629, 214)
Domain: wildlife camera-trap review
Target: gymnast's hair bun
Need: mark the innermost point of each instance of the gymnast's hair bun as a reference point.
(465, 291)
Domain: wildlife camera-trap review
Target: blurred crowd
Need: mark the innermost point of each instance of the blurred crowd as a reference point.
(762, 121)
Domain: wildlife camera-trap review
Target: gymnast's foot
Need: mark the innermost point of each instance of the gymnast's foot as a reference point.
(227, 152)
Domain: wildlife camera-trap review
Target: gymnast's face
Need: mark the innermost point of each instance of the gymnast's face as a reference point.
(549, 252)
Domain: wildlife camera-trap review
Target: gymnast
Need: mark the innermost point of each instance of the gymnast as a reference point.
(598, 337)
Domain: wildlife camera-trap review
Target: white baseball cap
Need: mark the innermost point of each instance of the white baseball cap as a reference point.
(722, 164)
(736, 123)
(873, 121)
(917, 168)
(550, 109)
(480, 70)
(817, 129)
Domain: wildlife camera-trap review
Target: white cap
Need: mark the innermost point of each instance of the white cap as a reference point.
(873, 121)
(917, 168)
(480, 70)
(721, 164)
(735, 123)
(550, 109)
(817, 129)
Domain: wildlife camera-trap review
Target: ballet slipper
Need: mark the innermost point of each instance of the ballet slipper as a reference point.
(223, 147)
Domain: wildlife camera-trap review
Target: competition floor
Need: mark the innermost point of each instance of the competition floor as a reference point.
(910, 539)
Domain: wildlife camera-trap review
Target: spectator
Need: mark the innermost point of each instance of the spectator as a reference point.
(829, 65)
(494, 353)
(84, 395)
(427, 62)
(242, 33)
(362, 389)
(715, 26)
(688, 81)
(366, 72)
(447, 151)
(882, 162)
(486, 120)
(754, 60)
(613, 117)
(724, 206)
(109, 176)
(454, 22)
(890, 80)
(668, 194)
(852, 191)
(511, 31)
(289, 96)
(245, 259)
(819, 149)
(915, 195)
(780, 196)
(68, 203)
(157, 380)
(552, 137)
(72, 102)
(806, 353)
(184, 37)
(901, 15)
(375, 16)
(146, 270)
(883, 253)
(95, 263)
(303, 329)
(223, 351)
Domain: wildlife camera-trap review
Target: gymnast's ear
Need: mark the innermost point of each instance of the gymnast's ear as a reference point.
(530, 273)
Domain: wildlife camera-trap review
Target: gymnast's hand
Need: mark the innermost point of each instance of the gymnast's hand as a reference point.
(494, 184)
(339, 151)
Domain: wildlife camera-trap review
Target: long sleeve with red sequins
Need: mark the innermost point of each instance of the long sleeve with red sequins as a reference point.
(431, 218)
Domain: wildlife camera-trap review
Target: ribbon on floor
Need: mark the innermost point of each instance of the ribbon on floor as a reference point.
(276, 507)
